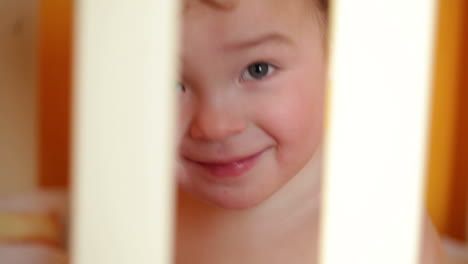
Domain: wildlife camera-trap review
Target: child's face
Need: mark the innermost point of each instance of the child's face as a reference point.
(252, 107)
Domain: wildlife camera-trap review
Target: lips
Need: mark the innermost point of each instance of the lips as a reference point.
(230, 167)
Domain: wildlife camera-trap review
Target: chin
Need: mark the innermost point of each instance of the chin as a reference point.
(246, 192)
(227, 199)
(236, 203)
(233, 203)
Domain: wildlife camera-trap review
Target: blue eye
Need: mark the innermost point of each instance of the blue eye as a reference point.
(257, 71)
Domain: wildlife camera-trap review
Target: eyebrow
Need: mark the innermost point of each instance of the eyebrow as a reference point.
(272, 37)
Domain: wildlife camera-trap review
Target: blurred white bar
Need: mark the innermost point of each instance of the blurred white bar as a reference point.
(380, 80)
(123, 131)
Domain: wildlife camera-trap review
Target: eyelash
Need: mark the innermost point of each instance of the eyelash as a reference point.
(271, 69)
(247, 75)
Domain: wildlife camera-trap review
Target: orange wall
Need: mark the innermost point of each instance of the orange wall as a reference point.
(446, 179)
(457, 217)
(54, 91)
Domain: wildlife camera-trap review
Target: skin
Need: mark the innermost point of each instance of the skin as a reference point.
(271, 213)
(228, 115)
(275, 205)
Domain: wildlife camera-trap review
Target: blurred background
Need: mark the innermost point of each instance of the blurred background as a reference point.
(35, 103)
(35, 63)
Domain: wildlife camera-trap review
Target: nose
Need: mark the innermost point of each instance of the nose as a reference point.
(216, 122)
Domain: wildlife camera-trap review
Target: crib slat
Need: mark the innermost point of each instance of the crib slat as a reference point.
(377, 129)
(123, 131)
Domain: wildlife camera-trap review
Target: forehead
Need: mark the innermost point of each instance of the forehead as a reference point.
(243, 17)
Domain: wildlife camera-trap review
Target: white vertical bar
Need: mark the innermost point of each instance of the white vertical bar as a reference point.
(123, 131)
(377, 130)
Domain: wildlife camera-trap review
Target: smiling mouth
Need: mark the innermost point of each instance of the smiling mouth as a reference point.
(230, 168)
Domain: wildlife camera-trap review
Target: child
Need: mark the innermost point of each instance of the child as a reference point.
(252, 101)
(251, 98)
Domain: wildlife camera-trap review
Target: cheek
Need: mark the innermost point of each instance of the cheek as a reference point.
(300, 116)
(294, 117)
